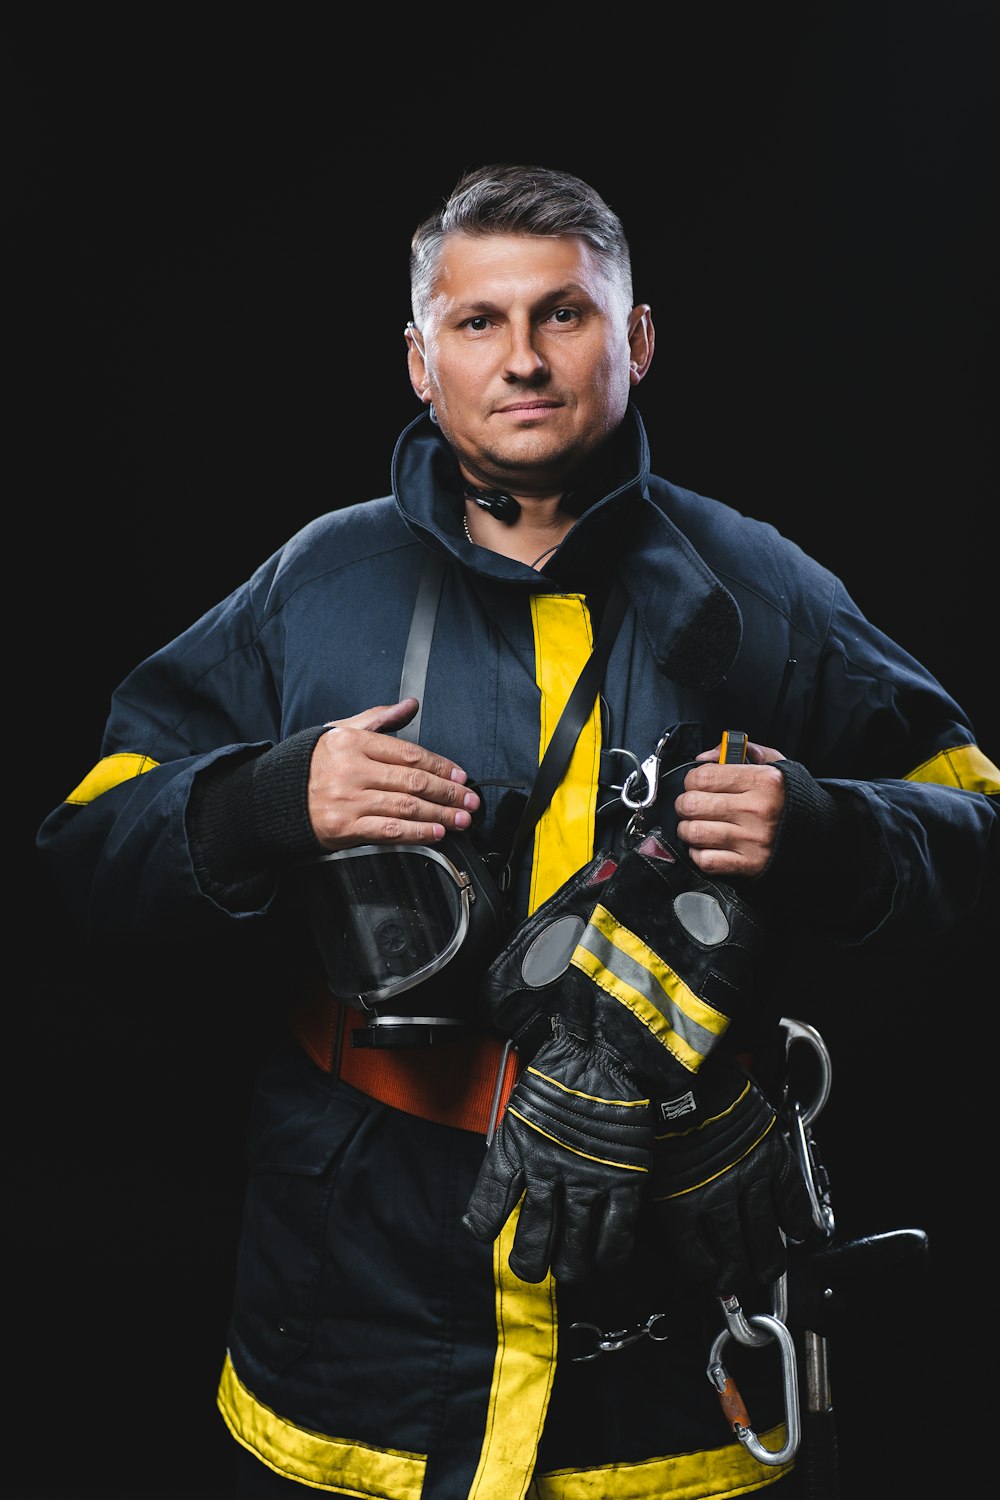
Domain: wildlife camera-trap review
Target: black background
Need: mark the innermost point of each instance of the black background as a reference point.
(208, 225)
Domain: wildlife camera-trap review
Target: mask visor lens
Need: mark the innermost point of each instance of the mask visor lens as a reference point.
(386, 918)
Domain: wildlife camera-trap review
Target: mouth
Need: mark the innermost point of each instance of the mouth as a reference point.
(535, 407)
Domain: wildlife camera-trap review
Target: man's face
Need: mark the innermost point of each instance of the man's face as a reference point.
(528, 357)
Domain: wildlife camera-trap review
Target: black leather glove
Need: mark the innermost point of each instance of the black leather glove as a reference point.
(725, 1184)
(633, 969)
(576, 1139)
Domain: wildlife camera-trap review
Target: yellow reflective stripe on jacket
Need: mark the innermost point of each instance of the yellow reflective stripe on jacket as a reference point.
(728, 1471)
(110, 772)
(628, 970)
(372, 1471)
(564, 836)
(298, 1454)
(964, 766)
(525, 1362)
(523, 1373)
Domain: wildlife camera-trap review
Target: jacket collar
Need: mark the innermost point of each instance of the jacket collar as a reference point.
(689, 619)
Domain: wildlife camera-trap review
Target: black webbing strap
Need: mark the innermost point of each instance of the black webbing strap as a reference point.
(578, 708)
(557, 755)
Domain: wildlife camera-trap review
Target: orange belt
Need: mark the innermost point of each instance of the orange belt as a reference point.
(465, 1083)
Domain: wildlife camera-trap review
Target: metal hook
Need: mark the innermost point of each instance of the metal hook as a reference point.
(610, 1343)
(801, 1031)
(620, 750)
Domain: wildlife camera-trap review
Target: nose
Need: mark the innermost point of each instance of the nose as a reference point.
(522, 360)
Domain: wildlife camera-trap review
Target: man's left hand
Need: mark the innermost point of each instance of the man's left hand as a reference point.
(729, 814)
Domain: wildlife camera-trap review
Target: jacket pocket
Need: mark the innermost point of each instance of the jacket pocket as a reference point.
(300, 1125)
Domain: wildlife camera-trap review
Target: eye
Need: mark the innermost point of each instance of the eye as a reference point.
(476, 325)
(563, 316)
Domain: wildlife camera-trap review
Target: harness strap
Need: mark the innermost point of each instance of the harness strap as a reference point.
(418, 643)
(578, 708)
(464, 1082)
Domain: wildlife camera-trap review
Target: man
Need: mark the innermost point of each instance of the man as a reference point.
(434, 1221)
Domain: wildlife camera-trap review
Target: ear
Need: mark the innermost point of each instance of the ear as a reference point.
(641, 338)
(416, 364)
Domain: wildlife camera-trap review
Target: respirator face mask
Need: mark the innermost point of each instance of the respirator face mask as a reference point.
(405, 932)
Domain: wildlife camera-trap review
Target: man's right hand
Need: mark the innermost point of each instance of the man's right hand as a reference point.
(367, 786)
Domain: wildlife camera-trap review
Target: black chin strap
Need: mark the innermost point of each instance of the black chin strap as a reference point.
(579, 705)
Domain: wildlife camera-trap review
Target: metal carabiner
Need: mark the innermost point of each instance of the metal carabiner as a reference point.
(798, 1125)
(650, 769)
(610, 1343)
(767, 1329)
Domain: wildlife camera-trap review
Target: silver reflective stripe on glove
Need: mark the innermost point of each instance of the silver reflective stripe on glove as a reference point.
(625, 967)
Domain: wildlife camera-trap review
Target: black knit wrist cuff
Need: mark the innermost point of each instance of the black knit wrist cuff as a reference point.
(812, 834)
(280, 799)
(249, 818)
(829, 861)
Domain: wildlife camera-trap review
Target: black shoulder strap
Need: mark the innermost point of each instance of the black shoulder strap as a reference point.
(578, 708)
(552, 766)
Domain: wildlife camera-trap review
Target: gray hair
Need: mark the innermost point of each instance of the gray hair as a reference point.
(507, 199)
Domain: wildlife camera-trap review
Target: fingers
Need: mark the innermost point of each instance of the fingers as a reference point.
(762, 755)
(758, 755)
(386, 716)
(616, 1229)
(729, 815)
(368, 786)
(531, 1253)
(499, 1186)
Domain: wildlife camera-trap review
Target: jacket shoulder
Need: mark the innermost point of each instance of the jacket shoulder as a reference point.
(350, 534)
(750, 555)
(339, 541)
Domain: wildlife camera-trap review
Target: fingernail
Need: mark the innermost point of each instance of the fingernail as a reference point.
(471, 801)
(457, 774)
(462, 819)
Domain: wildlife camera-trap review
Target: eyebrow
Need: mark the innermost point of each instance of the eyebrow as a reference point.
(571, 292)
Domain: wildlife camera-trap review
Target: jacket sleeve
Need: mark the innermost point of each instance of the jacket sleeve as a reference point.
(887, 745)
(118, 850)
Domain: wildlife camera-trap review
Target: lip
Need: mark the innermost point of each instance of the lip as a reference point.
(527, 408)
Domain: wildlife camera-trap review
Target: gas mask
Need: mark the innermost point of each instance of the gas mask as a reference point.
(405, 933)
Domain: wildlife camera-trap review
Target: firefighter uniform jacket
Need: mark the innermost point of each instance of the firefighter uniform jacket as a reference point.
(375, 1346)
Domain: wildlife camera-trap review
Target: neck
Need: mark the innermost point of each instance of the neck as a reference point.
(531, 537)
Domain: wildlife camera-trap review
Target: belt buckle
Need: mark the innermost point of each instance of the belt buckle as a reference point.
(508, 1048)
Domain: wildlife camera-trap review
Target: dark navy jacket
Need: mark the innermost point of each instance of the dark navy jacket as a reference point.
(375, 1347)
